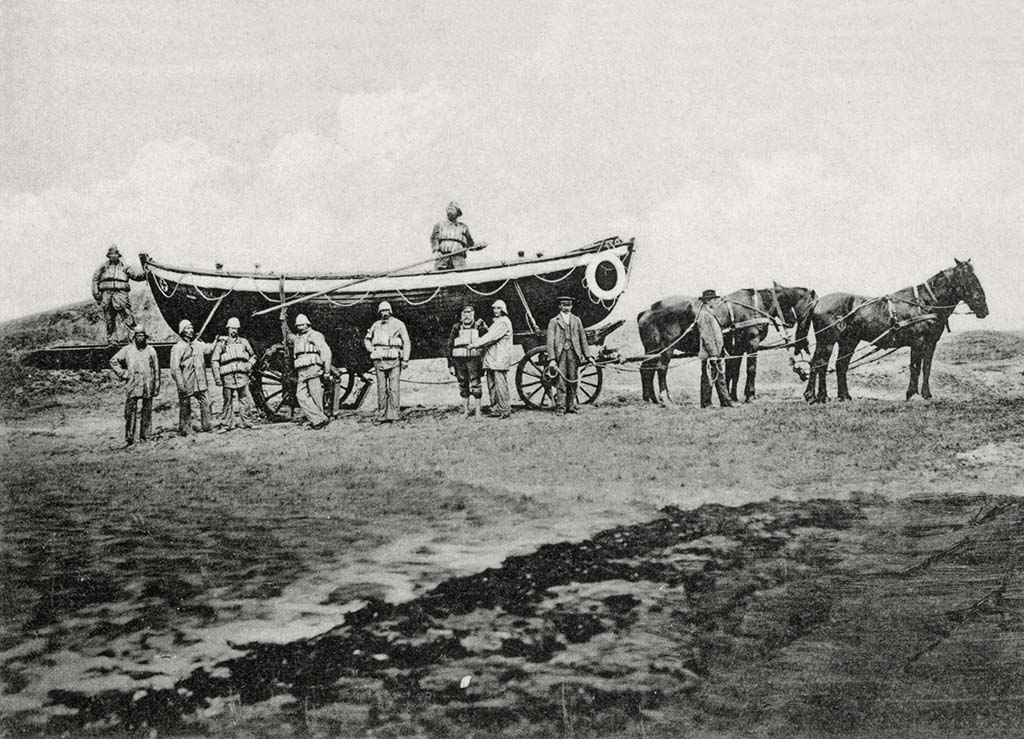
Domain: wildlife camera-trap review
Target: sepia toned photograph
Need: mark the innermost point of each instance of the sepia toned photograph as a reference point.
(537, 370)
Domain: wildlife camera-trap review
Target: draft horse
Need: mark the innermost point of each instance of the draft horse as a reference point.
(912, 317)
(667, 330)
(750, 314)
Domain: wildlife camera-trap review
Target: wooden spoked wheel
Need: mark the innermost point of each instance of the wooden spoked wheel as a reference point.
(537, 389)
(273, 384)
(337, 393)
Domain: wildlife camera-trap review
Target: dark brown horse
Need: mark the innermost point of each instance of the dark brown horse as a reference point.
(751, 312)
(667, 330)
(912, 317)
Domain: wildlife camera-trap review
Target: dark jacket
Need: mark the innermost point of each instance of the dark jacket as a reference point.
(565, 338)
(478, 330)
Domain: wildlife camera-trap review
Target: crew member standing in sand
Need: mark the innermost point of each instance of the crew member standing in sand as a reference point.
(390, 348)
(312, 363)
(232, 361)
(110, 288)
(466, 361)
(188, 368)
(712, 347)
(448, 236)
(497, 345)
(138, 366)
(567, 350)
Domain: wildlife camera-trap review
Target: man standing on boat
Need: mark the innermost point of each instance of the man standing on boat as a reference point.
(451, 240)
(110, 287)
(390, 348)
(188, 368)
(465, 361)
(232, 361)
(567, 350)
(139, 367)
(497, 345)
(712, 347)
(312, 363)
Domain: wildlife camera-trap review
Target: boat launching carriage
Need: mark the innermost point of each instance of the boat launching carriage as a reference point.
(342, 307)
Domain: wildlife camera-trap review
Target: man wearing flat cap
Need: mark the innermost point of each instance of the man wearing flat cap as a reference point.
(110, 288)
(137, 365)
(712, 347)
(567, 350)
(451, 240)
(389, 347)
(188, 368)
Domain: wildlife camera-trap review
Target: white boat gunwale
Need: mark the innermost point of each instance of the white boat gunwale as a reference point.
(269, 282)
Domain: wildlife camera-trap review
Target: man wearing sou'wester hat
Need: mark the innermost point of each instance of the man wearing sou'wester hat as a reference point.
(450, 240)
(389, 346)
(188, 368)
(110, 289)
(312, 362)
(497, 346)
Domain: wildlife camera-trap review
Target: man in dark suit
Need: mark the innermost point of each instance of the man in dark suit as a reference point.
(567, 349)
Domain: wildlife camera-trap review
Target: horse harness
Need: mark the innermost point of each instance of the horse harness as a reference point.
(764, 317)
(896, 323)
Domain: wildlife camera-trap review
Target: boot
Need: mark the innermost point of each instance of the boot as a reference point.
(475, 405)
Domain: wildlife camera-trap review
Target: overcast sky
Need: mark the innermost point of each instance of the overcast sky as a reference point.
(855, 146)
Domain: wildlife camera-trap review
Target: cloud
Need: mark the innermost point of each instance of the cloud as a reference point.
(365, 195)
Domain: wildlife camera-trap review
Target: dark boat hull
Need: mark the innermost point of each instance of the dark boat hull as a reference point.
(428, 303)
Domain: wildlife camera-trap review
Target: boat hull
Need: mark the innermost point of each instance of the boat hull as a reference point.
(429, 302)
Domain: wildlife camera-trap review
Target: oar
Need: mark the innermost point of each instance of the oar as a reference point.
(350, 283)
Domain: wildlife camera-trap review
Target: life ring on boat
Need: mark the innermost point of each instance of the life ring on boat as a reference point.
(606, 293)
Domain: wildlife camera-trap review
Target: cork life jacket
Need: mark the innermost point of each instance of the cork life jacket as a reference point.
(234, 357)
(386, 340)
(452, 237)
(465, 337)
(307, 351)
(114, 277)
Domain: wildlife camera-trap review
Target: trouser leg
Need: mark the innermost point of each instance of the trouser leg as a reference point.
(705, 385)
(568, 369)
(309, 394)
(227, 410)
(723, 392)
(462, 375)
(246, 409)
(203, 396)
(129, 420)
(497, 389)
(147, 418)
(110, 318)
(394, 404)
(382, 392)
(184, 414)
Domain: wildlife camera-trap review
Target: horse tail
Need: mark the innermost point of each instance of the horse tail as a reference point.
(803, 327)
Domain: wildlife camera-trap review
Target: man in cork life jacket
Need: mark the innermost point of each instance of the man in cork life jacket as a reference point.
(312, 364)
(389, 347)
(188, 368)
(466, 362)
(232, 361)
(451, 235)
(110, 288)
